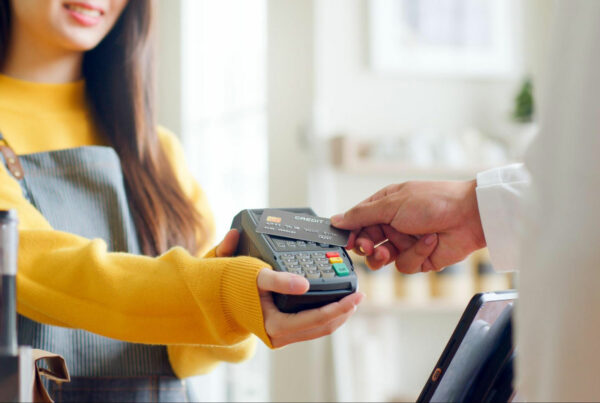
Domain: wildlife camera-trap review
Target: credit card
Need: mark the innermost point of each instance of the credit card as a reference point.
(301, 227)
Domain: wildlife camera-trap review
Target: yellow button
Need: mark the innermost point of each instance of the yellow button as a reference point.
(336, 260)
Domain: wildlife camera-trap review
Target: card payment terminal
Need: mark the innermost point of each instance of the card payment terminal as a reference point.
(327, 267)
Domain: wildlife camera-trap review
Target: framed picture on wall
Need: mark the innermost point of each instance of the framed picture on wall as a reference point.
(445, 37)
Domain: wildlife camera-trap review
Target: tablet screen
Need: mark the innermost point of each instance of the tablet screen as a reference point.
(479, 341)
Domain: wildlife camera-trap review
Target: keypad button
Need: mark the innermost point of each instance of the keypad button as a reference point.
(307, 261)
(295, 269)
(328, 273)
(303, 255)
(301, 243)
(324, 245)
(313, 274)
(284, 255)
(309, 267)
(317, 256)
(323, 266)
(336, 260)
(322, 260)
(290, 244)
(341, 269)
(311, 243)
(332, 254)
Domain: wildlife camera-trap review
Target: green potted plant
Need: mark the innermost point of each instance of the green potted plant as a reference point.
(524, 107)
(522, 117)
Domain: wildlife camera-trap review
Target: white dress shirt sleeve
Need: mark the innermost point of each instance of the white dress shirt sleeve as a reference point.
(558, 316)
(499, 196)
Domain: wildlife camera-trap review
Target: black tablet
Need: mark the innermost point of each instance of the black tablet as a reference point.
(476, 364)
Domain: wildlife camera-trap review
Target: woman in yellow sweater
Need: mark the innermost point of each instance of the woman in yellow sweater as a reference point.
(113, 268)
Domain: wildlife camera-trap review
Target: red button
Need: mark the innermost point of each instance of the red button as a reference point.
(332, 254)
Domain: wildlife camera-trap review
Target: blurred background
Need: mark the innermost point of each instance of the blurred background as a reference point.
(320, 103)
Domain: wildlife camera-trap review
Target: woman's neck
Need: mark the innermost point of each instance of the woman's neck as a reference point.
(28, 59)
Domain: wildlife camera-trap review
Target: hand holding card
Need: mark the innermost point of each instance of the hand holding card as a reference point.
(300, 226)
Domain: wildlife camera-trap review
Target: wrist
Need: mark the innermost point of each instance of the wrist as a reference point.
(240, 296)
(471, 213)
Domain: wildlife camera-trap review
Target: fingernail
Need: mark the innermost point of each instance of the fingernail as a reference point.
(430, 239)
(336, 219)
(297, 283)
(360, 248)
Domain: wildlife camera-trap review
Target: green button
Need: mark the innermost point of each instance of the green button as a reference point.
(341, 269)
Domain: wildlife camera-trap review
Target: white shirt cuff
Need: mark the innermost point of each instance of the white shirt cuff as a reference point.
(499, 193)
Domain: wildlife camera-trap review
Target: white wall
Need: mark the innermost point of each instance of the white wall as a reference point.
(289, 99)
(169, 65)
(352, 99)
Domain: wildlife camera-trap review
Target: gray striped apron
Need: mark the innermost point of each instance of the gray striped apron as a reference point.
(81, 191)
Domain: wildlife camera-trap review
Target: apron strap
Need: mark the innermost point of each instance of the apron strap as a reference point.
(12, 160)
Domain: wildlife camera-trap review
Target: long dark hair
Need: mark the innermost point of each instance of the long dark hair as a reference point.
(120, 85)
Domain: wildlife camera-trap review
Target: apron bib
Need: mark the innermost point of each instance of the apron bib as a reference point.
(81, 191)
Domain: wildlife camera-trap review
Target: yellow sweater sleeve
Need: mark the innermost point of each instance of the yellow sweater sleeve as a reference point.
(174, 299)
(190, 360)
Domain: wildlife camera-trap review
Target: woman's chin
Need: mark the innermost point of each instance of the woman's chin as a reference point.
(81, 41)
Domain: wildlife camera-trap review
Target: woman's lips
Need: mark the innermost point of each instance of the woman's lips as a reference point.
(84, 13)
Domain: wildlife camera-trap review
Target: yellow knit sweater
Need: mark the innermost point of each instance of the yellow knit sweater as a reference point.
(203, 309)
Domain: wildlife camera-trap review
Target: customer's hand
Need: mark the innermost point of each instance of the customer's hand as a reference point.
(421, 226)
(284, 328)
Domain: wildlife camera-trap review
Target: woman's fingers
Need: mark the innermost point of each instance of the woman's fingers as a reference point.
(228, 245)
(314, 333)
(411, 260)
(281, 282)
(289, 327)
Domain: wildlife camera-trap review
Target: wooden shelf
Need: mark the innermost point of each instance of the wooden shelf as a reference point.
(411, 170)
(350, 156)
(406, 307)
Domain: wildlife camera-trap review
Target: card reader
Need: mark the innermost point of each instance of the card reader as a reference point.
(327, 267)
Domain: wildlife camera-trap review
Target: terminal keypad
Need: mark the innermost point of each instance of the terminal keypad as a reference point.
(314, 265)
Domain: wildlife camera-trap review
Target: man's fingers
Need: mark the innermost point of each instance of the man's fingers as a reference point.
(383, 254)
(368, 238)
(366, 214)
(281, 282)
(428, 266)
(400, 240)
(364, 246)
(374, 233)
(229, 244)
(352, 239)
(313, 318)
(411, 260)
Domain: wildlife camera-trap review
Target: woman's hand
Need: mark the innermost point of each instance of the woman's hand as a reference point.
(284, 328)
